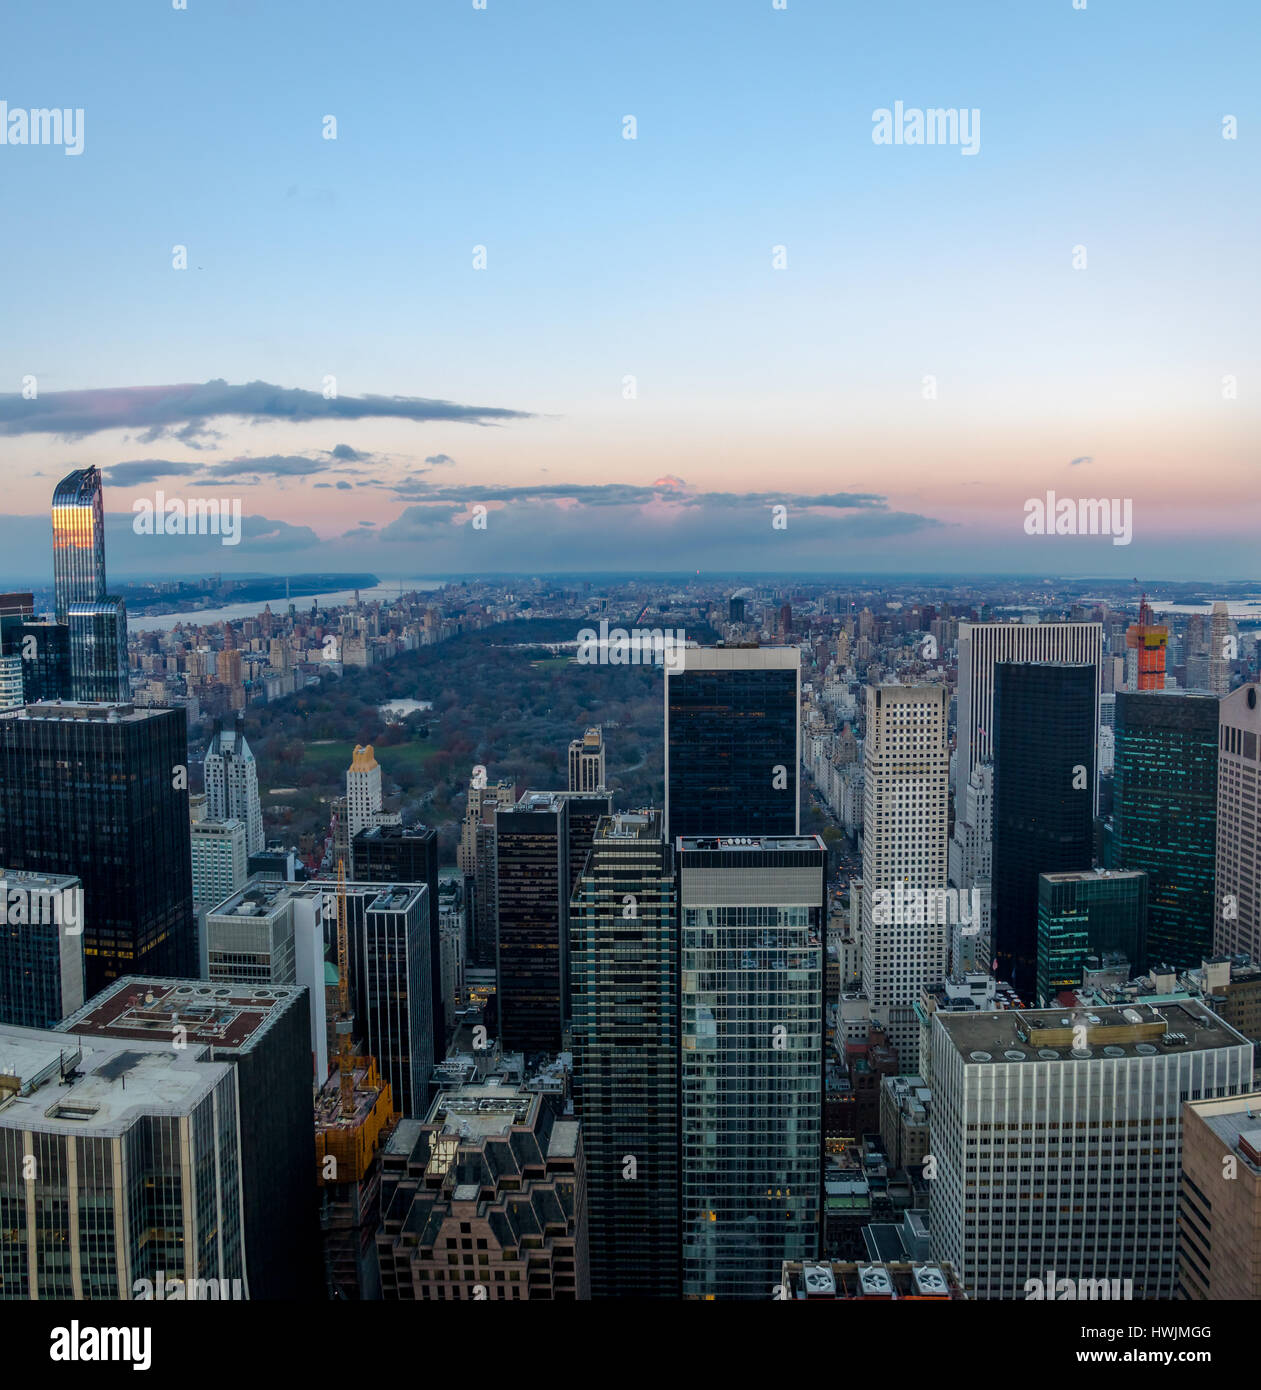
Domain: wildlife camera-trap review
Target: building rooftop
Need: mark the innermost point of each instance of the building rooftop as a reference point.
(230, 1016)
(97, 1086)
(1012, 1036)
(747, 842)
(564, 1139)
(483, 1111)
(1236, 1121)
(69, 711)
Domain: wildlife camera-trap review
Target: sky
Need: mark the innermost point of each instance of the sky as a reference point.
(630, 352)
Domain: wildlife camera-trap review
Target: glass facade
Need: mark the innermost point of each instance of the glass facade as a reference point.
(751, 1030)
(1090, 914)
(78, 540)
(1044, 777)
(1165, 816)
(731, 750)
(98, 650)
(532, 874)
(89, 790)
(624, 968)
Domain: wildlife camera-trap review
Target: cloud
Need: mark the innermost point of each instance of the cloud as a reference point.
(136, 471)
(266, 466)
(440, 460)
(183, 411)
(345, 487)
(344, 451)
(1085, 458)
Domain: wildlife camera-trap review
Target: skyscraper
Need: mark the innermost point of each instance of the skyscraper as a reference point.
(1221, 650)
(267, 1041)
(95, 791)
(586, 761)
(41, 948)
(492, 1166)
(751, 916)
(139, 1173)
(1237, 925)
(532, 871)
(231, 777)
(624, 968)
(1085, 913)
(97, 620)
(1046, 721)
(401, 854)
(1165, 816)
(905, 815)
(78, 540)
(363, 790)
(981, 647)
(1058, 1137)
(1219, 1251)
(1145, 644)
(732, 734)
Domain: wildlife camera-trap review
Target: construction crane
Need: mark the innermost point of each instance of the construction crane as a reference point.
(345, 1068)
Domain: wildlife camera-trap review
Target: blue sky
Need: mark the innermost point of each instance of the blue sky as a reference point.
(652, 258)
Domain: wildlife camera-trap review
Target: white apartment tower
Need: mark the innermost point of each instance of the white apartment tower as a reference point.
(906, 775)
(982, 646)
(363, 790)
(232, 784)
(1238, 924)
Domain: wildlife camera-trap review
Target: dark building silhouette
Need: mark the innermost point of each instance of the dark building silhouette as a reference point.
(1164, 791)
(100, 791)
(732, 741)
(1044, 777)
(407, 854)
(532, 872)
(624, 972)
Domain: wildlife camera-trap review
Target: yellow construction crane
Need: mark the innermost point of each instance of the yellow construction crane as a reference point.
(345, 1067)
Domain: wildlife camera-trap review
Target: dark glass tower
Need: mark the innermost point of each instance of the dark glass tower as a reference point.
(624, 969)
(98, 650)
(94, 790)
(732, 753)
(1165, 816)
(532, 870)
(1093, 912)
(97, 621)
(1044, 777)
(408, 854)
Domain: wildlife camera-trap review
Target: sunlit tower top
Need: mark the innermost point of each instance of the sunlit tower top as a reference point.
(78, 540)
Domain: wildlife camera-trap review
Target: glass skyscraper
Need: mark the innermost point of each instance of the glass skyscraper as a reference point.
(91, 790)
(624, 968)
(732, 741)
(1044, 776)
(751, 915)
(78, 540)
(97, 621)
(1165, 816)
(1088, 913)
